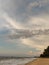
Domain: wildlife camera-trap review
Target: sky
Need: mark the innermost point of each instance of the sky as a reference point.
(24, 27)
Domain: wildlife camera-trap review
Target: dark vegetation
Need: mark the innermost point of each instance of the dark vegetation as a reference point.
(45, 53)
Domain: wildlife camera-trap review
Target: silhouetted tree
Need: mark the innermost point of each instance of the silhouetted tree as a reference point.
(45, 53)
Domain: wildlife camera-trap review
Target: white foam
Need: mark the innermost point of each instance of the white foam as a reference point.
(15, 61)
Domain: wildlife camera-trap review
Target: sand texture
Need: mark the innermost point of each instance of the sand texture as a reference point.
(39, 61)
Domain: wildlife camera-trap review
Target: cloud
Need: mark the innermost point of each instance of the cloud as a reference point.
(11, 22)
(25, 23)
(40, 21)
(32, 44)
(36, 43)
(30, 53)
(22, 33)
(38, 3)
(21, 10)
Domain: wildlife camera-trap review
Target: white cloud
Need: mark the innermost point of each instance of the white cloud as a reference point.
(32, 44)
(41, 21)
(12, 22)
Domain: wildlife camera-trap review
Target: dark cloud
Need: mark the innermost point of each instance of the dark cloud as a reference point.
(27, 33)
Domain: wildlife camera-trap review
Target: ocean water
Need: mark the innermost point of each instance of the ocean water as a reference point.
(16, 61)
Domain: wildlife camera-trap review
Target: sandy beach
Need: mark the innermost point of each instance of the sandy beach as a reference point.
(39, 61)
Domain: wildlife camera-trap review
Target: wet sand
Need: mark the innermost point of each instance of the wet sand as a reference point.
(39, 61)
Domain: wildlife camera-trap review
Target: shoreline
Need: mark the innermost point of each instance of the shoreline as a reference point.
(39, 61)
(31, 61)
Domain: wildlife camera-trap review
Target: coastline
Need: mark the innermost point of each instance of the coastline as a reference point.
(31, 61)
(39, 61)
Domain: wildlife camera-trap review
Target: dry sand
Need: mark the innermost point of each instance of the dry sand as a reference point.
(39, 61)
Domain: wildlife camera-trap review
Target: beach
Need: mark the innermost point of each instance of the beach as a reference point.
(15, 61)
(39, 61)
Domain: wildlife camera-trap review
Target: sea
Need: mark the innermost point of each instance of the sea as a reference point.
(20, 61)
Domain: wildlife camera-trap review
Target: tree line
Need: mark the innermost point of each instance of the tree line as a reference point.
(45, 53)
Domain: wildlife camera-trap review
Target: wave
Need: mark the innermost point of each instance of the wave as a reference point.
(16, 61)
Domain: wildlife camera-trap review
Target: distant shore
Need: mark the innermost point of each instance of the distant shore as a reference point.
(39, 61)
